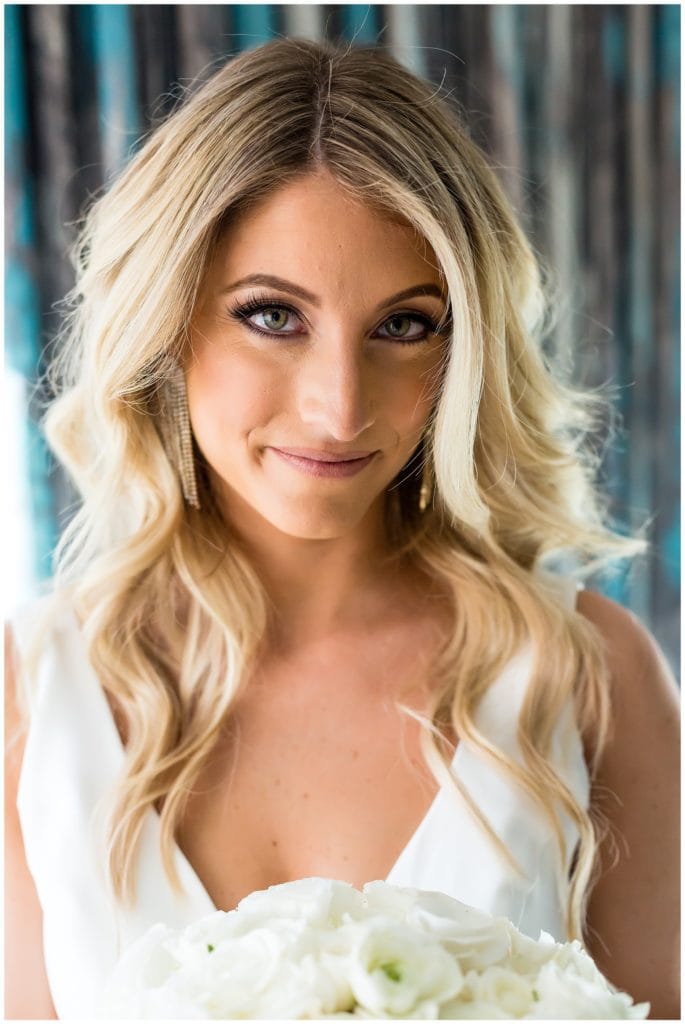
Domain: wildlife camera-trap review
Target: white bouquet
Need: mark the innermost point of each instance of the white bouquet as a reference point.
(318, 948)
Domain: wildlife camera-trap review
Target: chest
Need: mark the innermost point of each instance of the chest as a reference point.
(318, 773)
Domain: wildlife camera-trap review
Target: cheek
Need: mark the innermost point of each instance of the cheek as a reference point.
(408, 397)
(228, 397)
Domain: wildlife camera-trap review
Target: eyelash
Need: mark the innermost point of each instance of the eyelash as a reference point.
(255, 304)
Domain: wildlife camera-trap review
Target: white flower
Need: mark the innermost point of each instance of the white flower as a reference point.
(266, 972)
(461, 1009)
(299, 988)
(526, 955)
(140, 973)
(321, 902)
(388, 900)
(570, 986)
(475, 938)
(505, 990)
(395, 971)
(318, 948)
(496, 994)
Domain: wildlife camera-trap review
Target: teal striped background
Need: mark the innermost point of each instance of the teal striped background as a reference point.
(578, 107)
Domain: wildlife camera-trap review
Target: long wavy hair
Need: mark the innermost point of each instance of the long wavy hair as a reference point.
(172, 610)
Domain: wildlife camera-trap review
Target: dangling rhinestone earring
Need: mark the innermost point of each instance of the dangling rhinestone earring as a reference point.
(426, 491)
(177, 432)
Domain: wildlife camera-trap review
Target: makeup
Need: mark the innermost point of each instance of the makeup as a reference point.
(324, 464)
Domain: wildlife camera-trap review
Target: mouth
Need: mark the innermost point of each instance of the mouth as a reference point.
(315, 462)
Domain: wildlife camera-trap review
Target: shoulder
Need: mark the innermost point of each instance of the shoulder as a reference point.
(37, 637)
(16, 712)
(643, 691)
(27, 990)
(636, 794)
(634, 659)
(37, 626)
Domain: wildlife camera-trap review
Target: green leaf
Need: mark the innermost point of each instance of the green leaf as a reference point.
(210, 947)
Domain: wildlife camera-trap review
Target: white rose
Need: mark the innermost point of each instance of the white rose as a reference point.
(317, 948)
(238, 970)
(578, 991)
(140, 975)
(282, 969)
(143, 969)
(225, 979)
(475, 938)
(393, 901)
(394, 971)
(157, 1004)
(503, 989)
(497, 994)
(213, 928)
(321, 902)
(528, 955)
(457, 1009)
(302, 989)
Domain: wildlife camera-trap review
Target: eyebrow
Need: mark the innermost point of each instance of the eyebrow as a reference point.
(269, 281)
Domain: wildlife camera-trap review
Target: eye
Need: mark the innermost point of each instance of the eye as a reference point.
(271, 319)
(399, 327)
(275, 318)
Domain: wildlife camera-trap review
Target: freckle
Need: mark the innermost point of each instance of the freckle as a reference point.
(306, 796)
(274, 842)
(277, 782)
(355, 754)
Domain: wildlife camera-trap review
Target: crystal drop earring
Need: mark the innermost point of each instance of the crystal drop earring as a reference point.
(427, 483)
(178, 435)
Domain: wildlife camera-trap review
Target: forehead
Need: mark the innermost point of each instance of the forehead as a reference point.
(313, 226)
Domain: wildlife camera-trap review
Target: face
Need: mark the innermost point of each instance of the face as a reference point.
(314, 357)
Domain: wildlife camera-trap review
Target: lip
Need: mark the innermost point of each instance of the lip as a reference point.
(324, 454)
(315, 462)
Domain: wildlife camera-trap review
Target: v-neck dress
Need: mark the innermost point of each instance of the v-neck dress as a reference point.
(73, 755)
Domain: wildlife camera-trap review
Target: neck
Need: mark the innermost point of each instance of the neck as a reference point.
(320, 587)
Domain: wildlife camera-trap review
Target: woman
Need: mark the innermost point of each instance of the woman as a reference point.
(324, 466)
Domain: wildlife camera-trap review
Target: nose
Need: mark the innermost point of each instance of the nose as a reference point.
(336, 389)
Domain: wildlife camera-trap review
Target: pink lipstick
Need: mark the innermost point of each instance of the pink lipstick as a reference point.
(333, 465)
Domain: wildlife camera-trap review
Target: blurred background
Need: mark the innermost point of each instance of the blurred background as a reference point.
(578, 109)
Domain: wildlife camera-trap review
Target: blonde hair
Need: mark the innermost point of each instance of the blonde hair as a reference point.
(172, 610)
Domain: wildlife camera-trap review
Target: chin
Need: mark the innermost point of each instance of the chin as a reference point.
(302, 517)
(315, 517)
(314, 527)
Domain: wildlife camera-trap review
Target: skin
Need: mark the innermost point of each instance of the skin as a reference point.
(633, 920)
(339, 382)
(343, 647)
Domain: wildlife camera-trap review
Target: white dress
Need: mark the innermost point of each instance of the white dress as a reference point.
(73, 754)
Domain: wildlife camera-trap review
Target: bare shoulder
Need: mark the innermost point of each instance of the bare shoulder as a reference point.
(15, 709)
(27, 992)
(643, 688)
(630, 647)
(633, 923)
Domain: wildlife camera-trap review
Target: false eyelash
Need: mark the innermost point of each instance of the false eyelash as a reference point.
(255, 303)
